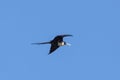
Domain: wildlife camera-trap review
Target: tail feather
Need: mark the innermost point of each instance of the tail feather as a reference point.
(42, 43)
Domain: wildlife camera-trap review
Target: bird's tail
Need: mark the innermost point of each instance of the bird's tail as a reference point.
(42, 43)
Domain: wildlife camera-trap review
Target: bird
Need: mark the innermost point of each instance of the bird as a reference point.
(56, 42)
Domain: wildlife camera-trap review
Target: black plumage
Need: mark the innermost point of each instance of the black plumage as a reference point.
(56, 42)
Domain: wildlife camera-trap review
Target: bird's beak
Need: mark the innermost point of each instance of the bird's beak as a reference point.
(68, 44)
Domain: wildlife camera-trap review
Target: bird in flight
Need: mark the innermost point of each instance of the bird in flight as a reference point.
(56, 42)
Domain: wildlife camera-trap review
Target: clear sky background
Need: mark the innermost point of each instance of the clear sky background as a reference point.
(95, 50)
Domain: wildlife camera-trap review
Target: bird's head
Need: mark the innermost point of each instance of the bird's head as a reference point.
(65, 43)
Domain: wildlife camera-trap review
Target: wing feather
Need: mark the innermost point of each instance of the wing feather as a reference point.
(59, 38)
(53, 48)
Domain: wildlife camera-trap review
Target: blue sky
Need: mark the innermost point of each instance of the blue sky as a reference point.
(95, 50)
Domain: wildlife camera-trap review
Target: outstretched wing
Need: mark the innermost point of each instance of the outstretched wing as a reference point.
(59, 38)
(53, 48)
(42, 43)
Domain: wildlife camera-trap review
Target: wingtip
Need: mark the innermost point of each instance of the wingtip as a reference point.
(65, 35)
(35, 43)
(49, 53)
(70, 35)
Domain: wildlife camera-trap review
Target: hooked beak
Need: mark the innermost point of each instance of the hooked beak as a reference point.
(68, 44)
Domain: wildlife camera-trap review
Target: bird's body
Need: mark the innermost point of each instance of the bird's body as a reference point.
(56, 42)
(61, 43)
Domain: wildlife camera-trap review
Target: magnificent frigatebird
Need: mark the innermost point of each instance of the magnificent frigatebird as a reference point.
(56, 42)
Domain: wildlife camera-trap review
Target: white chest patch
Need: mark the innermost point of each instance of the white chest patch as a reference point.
(60, 43)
